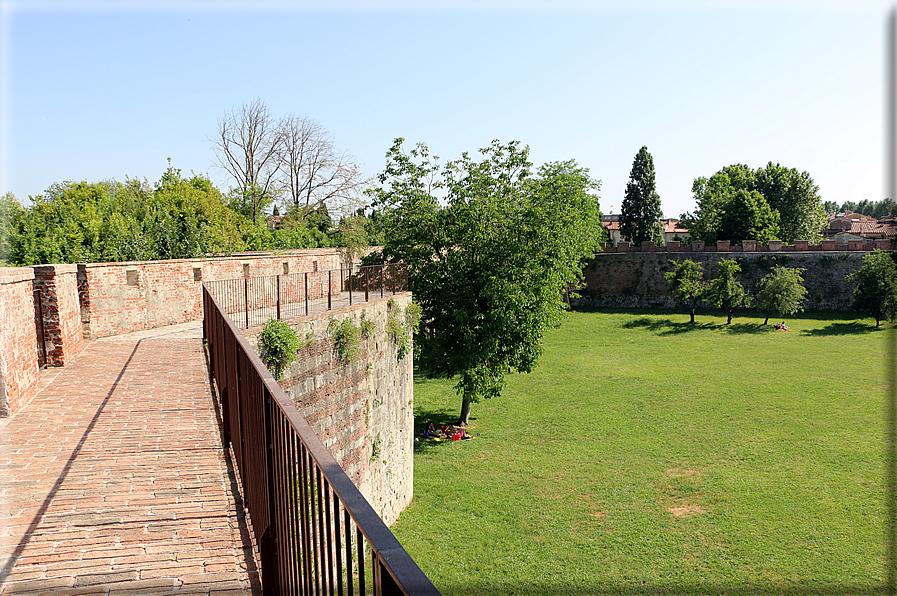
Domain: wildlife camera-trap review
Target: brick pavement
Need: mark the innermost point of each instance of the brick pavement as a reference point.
(113, 480)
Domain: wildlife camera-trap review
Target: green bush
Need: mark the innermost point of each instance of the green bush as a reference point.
(278, 346)
(346, 339)
(402, 332)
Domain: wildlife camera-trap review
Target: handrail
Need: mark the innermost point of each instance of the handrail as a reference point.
(251, 301)
(311, 525)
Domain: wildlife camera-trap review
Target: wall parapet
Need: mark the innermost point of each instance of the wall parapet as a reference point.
(723, 246)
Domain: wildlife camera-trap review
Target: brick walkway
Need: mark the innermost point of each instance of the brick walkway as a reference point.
(113, 480)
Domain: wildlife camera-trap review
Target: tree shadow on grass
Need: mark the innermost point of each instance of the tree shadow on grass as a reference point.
(670, 327)
(852, 328)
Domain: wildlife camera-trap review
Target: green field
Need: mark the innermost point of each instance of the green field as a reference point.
(647, 456)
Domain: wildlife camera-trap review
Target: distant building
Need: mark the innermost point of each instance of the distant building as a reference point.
(671, 229)
(844, 227)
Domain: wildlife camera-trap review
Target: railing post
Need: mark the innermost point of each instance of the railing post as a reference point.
(268, 543)
(382, 283)
(329, 282)
(306, 292)
(278, 297)
(350, 285)
(392, 278)
(367, 283)
(246, 298)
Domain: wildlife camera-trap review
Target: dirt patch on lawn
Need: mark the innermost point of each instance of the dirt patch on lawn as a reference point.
(686, 510)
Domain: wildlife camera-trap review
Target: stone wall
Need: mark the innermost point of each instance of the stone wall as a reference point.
(636, 280)
(363, 411)
(19, 372)
(124, 297)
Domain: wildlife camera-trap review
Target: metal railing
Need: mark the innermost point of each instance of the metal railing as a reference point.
(251, 301)
(314, 531)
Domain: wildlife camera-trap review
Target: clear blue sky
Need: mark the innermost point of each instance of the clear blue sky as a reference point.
(98, 90)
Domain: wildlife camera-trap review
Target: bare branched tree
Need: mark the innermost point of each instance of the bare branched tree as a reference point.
(313, 171)
(247, 147)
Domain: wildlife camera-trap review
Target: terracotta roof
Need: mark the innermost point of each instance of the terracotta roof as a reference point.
(670, 226)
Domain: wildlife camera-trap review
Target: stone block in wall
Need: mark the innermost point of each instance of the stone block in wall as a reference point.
(623, 246)
(697, 246)
(673, 246)
(723, 245)
(882, 244)
(829, 245)
(775, 245)
(801, 245)
(749, 245)
(855, 245)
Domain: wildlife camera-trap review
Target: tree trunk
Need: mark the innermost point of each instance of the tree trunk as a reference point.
(767, 320)
(464, 419)
(729, 320)
(692, 313)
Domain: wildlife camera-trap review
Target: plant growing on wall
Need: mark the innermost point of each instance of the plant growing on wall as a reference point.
(401, 332)
(278, 346)
(346, 339)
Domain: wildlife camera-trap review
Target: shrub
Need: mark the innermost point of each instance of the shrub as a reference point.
(278, 346)
(346, 339)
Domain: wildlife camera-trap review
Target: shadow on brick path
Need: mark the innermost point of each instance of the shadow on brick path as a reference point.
(113, 480)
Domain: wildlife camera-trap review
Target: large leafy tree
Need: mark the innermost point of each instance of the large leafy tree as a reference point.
(781, 291)
(876, 291)
(790, 208)
(725, 291)
(491, 249)
(640, 213)
(687, 284)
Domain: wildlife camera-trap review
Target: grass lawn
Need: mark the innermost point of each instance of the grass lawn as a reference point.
(647, 456)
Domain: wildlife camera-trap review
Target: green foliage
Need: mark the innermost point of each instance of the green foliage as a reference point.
(687, 284)
(876, 209)
(781, 291)
(367, 326)
(401, 332)
(788, 206)
(725, 291)
(640, 213)
(876, 291)
(279, 345)
(10, 211)
(490, 249)
(346, 339)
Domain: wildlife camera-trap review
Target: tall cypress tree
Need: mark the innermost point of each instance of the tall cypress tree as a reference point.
(640, 213)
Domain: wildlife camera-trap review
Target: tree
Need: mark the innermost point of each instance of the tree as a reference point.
(10, 209)
(314, 172)
(640, 212)
(490, 248)
(795, 211)
(247, 147)
(876, 291)
(831, 207)
(781, 291)
(725, 291)
(687, 284)
(748, 216)
(796, 197)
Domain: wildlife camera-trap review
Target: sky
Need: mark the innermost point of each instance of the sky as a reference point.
(112, 89)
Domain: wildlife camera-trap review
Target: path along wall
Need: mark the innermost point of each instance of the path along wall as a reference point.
(636, 279)
(85, 301)
(363, 411)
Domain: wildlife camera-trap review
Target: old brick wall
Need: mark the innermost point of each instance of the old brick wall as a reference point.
(363, 411)
(636, 279)
(124, 297)
(19, 372)
(62, 329)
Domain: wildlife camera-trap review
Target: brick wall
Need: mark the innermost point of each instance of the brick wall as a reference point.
(62, 334)
(636, 280)
(124, 297)
(363, 411)
(19, 373)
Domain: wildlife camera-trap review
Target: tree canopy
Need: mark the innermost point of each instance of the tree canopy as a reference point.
(773, 202)
(876, 291)
(491, 249)
(725, 291)
(640, 213)
(781, 291)
(687, 284)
